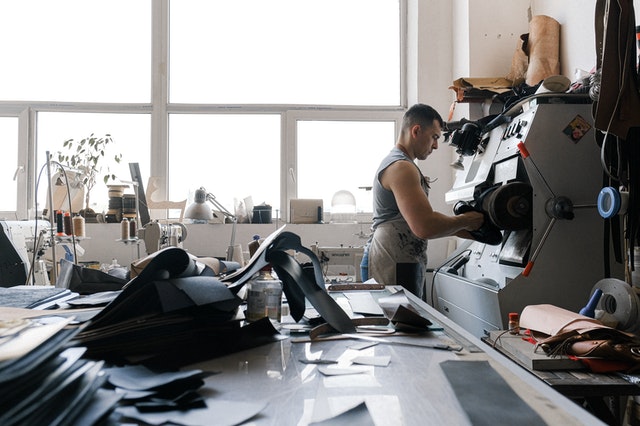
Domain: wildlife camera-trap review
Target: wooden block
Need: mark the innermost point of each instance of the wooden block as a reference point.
(522, 351)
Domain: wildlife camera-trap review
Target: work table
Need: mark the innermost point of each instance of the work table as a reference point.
(411, 390)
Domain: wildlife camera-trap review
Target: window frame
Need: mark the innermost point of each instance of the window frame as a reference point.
(159, 108)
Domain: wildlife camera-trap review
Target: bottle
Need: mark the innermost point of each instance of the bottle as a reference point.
(78, 225)
(114, 264)
(253, 245)
(124, 229)
(264, 297)
(364, 264)
(590, 309)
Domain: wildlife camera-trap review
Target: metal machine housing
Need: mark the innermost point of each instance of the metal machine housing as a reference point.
(480, 294)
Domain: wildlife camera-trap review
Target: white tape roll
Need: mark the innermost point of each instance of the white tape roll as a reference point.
(619, 302)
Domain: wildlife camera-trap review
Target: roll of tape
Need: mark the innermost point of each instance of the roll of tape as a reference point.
(608, 202)
(619, 302)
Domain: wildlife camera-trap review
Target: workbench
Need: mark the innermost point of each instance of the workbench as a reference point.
(411, 390)
(602, 393)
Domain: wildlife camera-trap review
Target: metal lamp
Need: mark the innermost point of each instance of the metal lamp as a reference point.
(199, 211)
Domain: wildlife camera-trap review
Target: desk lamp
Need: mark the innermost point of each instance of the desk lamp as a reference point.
(200, 212)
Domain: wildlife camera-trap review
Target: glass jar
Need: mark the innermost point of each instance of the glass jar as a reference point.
(264, 297)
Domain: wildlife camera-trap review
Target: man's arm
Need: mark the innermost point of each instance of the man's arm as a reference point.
(403, 180)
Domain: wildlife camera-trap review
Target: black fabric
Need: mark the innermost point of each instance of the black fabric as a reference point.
(516, 94)
(12, 268)
(168, 284)
(319, 298)
(486, 397)
(411, 275)
(86, 280)
(274, 252)
(170, 315)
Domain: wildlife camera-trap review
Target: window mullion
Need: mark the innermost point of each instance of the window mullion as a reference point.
(159, 154)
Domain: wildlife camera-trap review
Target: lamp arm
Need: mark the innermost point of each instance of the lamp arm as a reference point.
(212, 199)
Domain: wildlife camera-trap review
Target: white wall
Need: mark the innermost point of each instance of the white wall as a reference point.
(577, 35)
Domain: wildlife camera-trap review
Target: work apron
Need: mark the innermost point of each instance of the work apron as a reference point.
(398, 257)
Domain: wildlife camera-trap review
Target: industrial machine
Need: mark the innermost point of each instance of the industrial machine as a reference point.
(535, 172)
(20, 243)
(158, 235)
(340, 262)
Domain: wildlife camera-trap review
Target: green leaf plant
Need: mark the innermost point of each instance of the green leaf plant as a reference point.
(88, 157)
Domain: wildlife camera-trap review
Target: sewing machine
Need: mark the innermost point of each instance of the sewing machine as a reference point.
(157, 235)
(18, 241)
(340, 261)
(536, 175)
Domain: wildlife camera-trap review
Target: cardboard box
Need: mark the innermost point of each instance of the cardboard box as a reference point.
(305, 211)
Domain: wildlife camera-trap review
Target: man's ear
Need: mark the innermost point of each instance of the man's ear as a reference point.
(414, 130)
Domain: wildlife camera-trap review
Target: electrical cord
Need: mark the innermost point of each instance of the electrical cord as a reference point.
(448, 262)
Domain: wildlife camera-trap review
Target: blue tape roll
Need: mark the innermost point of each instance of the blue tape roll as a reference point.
(609, 202)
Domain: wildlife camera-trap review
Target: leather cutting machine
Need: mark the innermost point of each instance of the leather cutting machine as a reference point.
(534, 171)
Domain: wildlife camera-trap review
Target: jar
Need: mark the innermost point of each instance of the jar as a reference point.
(264, 297)
(514, 323)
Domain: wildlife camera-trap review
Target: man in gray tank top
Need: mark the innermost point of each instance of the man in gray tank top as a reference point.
(403, 219)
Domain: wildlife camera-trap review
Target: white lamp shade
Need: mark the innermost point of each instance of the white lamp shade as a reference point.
(199, 210)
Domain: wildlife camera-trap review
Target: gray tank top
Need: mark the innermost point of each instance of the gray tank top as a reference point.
(385, 207)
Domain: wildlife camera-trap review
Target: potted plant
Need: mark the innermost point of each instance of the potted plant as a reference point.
(87, 157)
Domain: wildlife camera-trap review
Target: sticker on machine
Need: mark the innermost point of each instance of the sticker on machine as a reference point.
(577, 128)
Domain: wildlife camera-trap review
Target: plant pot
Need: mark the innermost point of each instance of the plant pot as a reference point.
(89, 215)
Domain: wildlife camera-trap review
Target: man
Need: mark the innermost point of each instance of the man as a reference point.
(403, 219)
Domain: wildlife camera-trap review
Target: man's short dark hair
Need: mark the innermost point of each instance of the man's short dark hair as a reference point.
(421, 114)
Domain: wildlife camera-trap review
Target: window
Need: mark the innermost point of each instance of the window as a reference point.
(232, 156)
(341, 155)
(130, 134)
(326, 52)
(242, 98)
(9, 144)
(75, 50)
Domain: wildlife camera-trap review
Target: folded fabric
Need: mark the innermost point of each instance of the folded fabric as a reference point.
(87, 280)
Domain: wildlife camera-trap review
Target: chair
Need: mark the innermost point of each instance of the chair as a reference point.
(154, 186)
